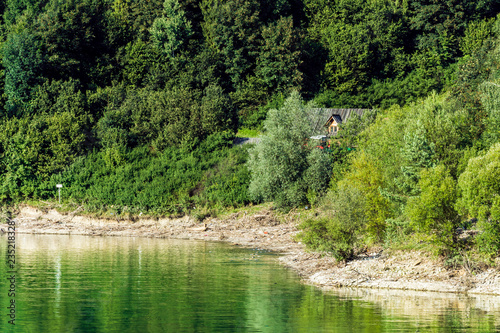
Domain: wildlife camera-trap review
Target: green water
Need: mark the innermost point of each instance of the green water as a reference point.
(111, 284)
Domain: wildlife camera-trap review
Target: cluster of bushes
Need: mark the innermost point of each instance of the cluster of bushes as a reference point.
(421, 173)
(183, 180)
(113, 96)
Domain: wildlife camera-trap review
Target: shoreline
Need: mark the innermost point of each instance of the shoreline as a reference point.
(398, 271)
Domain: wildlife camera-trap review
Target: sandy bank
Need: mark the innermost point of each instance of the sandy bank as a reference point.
(407, 271)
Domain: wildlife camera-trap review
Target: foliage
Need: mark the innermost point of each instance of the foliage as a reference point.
(257, 117)
(279, 161)
(175, 181)
(488, 241)
(433, 211)
(480, 198)
(417, 153)
(139, 62)
(142, 119)
(317, 174)
(22, 61)
(73, 38)
(341, 233)
(232, 28)
(279, 59)
(170, 32)
(283, 166)
(476, 34)
(439, 20)
(360, 44)
(365, 175)
(480, 187)
(490, 99)
(32, 149)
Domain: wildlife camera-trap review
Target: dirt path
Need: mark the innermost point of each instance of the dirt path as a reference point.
(408, 271)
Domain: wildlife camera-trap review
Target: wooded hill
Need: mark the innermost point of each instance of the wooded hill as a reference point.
(133, 105)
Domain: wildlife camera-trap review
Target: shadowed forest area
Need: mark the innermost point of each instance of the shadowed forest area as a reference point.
(133, 106)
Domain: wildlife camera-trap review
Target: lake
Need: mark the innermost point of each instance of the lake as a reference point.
(125, 284)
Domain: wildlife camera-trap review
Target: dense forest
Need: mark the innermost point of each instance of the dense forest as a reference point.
(133, 106)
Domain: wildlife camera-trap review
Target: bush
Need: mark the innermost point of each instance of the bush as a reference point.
(366, 177)
(341, 234)
(488, 241)
(480, 197)
(433, 212)
(278, 162)
(172, 182)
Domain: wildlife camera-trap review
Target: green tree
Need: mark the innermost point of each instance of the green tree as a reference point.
(342, 233)
(417, 153)
(480, 197)
(171, 31)
(140, 60)
(279, 57)
(132, 19)
(490, 99)
(73, 38)
(433, 211)
(476, 34)
(439, 20)
(279, 161)
(365, 175)
(361, 46)
(15, 9)
(217, 112)
(17, 175)
(22, 60)
(233, 29)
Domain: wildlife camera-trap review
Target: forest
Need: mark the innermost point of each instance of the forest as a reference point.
(133, 106)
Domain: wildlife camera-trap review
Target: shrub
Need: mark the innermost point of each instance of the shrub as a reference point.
(480, 197)
(278, 162)
(171, 182)
(342, 233)
(433, 212)
(366, 177)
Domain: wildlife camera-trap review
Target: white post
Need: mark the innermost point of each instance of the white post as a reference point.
(59, 187)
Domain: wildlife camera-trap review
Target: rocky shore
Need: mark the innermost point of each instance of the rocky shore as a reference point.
(403, 271)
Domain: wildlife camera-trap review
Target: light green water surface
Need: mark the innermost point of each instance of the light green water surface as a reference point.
(121, 284)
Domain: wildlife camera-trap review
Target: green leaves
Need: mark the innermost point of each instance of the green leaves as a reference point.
(279, 59)
(480, 197)
(362, 40)
(22, 60)
(282, 165)
(342, 233)
(479, 185)
(232, 28)
(170, 32)
(279, 160)
(433, 212)
(73, 37)
(417, 153)
(165, 118)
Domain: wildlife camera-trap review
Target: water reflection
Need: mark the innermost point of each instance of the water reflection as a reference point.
(111, 284)
(481, 312)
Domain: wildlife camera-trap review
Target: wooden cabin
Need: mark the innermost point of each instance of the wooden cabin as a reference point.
(327, 121)
(332, 124)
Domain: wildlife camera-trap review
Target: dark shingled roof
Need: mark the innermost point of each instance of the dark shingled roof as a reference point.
(319, 117)
(337, 118)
